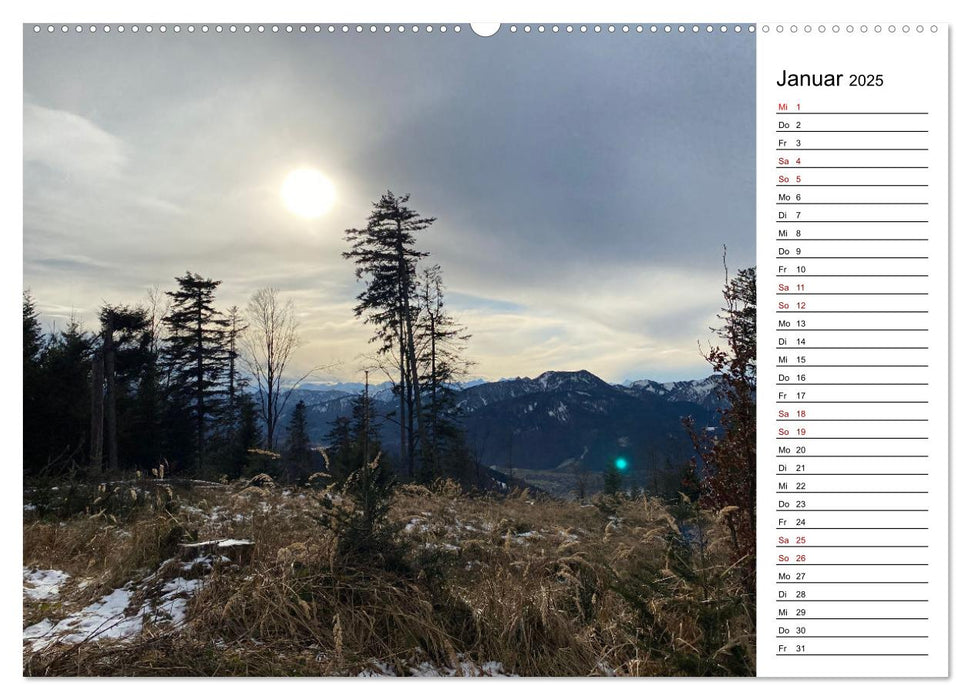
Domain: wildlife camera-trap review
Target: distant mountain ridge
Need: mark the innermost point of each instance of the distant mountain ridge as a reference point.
(701, 391)
(545, 422)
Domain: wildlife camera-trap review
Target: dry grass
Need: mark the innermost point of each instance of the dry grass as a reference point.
(543, 587)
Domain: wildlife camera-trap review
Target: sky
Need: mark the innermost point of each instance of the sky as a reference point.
(583, 185)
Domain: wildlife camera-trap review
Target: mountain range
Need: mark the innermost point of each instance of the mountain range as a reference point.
(551, 422)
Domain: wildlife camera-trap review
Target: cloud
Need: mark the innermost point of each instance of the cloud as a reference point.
(582, 194)
(70, 145)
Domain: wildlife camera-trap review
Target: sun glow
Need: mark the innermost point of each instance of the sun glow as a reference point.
(308, 193)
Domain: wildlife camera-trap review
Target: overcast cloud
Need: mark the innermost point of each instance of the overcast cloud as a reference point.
(583, 184)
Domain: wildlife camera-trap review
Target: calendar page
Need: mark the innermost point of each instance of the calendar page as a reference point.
(525, 349)
(852, 431)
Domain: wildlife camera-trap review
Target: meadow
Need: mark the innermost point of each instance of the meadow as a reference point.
(157, 577)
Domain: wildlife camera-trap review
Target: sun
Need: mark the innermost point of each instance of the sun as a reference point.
(307, 193)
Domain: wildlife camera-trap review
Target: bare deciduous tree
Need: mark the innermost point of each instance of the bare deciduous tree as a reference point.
(268, 346)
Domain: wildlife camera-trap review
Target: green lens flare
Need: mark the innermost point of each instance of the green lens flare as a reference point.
(620, 463)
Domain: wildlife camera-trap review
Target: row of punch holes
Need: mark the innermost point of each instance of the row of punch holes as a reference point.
(400, 28)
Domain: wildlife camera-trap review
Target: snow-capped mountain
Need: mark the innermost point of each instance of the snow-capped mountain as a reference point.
(700, 391)
(542, 422)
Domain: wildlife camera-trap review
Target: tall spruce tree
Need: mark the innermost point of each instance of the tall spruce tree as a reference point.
(33, 336)
(65, 415)
(33, 386)
(195, 354)
(117, 367)
(386, 258)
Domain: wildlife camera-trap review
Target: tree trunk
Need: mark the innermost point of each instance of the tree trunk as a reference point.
(405, 309)
(271, 396)
(403, 405)
(422, 436)
(232, 374)
(97, 412)
(200, 386)
(401, 420)
(111, 414)
(433, 414)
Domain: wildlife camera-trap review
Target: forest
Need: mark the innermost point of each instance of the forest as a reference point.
(179, 382)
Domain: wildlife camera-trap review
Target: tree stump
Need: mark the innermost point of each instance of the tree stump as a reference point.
(236, 551)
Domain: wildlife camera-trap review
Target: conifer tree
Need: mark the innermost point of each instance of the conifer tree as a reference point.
(361, 522)
(33, 385)
(356, 440)
(118, 364)
(195, 354)
(245, 437)
(296, 454)
(340, 448)
(441, 342)
(613, 480)
(385, 257)
(65, 417)
(235, 383)
(33, 336)
(728, 459)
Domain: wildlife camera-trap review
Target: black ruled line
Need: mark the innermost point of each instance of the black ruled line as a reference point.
(856, 311)
(849, 330)
(852, 384)
(799, 113)
(857, 366)
(850, 131)
(851, 221)
(851, 167)
(852, 149)
(848, 204)
(800, 239)
(799, 276)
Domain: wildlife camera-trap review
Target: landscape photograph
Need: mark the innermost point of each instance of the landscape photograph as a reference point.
(393, 350)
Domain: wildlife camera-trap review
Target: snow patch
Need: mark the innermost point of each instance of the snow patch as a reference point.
(103, 619)
(43, 584)
(113, 616)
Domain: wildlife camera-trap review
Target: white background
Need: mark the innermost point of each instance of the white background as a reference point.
(454, 12)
